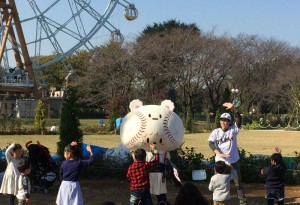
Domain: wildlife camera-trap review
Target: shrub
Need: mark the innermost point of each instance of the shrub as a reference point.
(250, 166)
(108, 167)
(10, 125)
(201, 127)
(94, 129)
(252, 126)
(269, 120)
(186, 160)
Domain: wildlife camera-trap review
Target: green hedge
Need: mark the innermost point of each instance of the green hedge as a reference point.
(187, 160)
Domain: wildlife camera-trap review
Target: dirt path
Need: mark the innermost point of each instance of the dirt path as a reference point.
(97, 191)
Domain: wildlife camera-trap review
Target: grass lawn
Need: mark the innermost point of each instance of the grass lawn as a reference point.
(255, 142)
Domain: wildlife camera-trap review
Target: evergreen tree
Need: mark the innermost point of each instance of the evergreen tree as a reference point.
(39, 119)
(226, 95)
(69, 122)
(217, 119)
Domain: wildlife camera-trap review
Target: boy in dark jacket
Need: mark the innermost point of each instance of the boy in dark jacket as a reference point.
(275, 179)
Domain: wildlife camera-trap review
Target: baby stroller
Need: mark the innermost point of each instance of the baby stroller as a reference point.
(43, 168)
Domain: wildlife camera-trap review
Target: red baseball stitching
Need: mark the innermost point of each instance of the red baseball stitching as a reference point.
(166, 128)
(141, 130)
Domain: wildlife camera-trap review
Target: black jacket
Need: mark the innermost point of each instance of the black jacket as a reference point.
(275, 176)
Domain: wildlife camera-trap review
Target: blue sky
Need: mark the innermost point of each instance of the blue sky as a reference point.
(279, 19)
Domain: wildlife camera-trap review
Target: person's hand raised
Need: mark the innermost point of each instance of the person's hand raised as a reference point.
(228, 105)
(152, 147)
(88, 148)
(278, 149)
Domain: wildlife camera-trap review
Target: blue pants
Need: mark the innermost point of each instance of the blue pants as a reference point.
(142, 195)
(273, 194)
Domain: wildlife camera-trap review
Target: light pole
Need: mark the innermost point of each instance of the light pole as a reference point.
(235, 100)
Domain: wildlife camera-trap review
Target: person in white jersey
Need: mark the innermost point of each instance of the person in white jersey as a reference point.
(223, 142)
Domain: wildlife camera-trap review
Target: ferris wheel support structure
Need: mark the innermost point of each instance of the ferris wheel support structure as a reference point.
(62, 35)
(10, 13)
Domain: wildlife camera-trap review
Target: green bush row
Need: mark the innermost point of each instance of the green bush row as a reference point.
(186, 160)
(16, 126)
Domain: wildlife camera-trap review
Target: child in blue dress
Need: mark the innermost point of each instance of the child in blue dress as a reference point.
(69, 190)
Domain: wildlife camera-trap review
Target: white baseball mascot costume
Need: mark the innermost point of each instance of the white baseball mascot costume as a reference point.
(152, 124)
(156, 124)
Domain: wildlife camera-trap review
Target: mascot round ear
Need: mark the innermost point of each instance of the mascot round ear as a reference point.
(168, 104)
(135, 104)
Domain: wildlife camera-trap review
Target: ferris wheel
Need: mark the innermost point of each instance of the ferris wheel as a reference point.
(31, 29)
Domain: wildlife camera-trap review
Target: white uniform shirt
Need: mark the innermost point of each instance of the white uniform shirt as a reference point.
(226, 142)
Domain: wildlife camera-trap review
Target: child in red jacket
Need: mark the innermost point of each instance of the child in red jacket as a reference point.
(138, 176)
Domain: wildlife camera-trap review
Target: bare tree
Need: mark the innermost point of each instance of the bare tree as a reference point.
(218, 61)
(198, 67)
(289, 101)
(262, 67)
(166, 61)
(108, 80)
(153, 63)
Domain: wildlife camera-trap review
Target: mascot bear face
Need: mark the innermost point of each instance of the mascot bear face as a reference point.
(148, 124)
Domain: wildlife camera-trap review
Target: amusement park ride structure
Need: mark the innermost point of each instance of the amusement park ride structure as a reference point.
(9, 16)
(20, 70)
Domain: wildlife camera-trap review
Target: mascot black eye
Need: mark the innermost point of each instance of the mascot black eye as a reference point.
(159, 116)
(149, 115)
